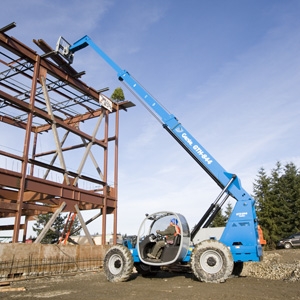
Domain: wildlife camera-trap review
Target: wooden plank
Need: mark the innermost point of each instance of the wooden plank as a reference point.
(12, 289)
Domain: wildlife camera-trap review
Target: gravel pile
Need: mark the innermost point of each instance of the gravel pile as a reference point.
(274, 266)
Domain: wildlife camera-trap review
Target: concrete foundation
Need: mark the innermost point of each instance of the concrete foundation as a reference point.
(31, 260)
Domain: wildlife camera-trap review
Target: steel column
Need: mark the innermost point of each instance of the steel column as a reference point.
(26, 153)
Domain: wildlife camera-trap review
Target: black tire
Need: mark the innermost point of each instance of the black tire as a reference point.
(118, 264)
(237, 268)
(287, 246)
(142, 268)
(145, 270)
(211, 261)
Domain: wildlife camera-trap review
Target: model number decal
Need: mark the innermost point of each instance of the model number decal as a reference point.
(197, 149)
(242, 214)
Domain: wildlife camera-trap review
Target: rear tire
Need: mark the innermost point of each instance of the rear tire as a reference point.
(211, 261)
(118, 264)
(237, 268)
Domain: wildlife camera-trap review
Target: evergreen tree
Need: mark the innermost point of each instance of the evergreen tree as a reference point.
(290, 193)
(57, 228)
(228, 211)
(219, 220)
(279, 205)
(278, 202)
(262, 190)
(118, 95)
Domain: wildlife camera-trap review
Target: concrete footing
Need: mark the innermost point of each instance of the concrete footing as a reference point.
(31, 260)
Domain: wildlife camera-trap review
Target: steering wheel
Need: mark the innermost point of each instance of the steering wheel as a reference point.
(152, 238)
(160, 237)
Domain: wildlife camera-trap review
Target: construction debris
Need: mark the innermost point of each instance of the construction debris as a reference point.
(276, 265)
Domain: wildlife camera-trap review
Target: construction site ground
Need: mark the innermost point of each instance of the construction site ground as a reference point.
(93, 285)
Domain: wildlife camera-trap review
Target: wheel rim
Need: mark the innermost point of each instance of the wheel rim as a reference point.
(211, 261)
(115, 264)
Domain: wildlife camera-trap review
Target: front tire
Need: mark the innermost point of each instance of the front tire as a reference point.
(118, 264)
(211, 261)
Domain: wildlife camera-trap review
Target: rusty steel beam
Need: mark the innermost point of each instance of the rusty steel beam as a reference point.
(52, 189)
(8, 27)
(10, 227)
(73, 174)
(67, 192)
(28, 195)
(13, 122)
(10, 179)
(73, 120)
(25, 155)
(42, 114)
(27, 207)
(10, 155)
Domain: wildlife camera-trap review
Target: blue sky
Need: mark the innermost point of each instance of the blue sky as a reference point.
(228, 70)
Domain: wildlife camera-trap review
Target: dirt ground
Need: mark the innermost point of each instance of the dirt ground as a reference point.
(173, 286)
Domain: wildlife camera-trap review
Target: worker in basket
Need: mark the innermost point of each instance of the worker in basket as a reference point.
(170, 233)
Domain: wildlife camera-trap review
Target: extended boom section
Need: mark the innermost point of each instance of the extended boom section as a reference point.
(171, 124)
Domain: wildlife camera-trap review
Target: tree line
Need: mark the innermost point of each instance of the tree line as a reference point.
(277, 200)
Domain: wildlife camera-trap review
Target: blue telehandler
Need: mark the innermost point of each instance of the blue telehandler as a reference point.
(211, 254)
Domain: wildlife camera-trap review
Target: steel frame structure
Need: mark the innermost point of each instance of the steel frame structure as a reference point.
(47, 111)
